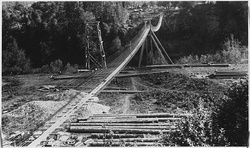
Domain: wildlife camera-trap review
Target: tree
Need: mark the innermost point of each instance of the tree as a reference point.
(14, 59)
(233, 114)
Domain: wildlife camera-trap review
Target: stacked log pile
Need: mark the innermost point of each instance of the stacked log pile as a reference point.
(125, 129)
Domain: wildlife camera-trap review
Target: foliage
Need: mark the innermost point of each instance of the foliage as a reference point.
(14, 59)
(232, 53)
(70, 68)
(196, 130)
(232, 115)
(56, 66)
(47, 31)
(177, 81)
(176, 101)
(197, 29)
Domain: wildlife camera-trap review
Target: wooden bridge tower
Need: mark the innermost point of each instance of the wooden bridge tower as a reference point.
(148, 48)
(94, 52)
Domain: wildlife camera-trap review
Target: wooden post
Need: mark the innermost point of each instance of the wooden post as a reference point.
(162, 47)
(141, 54)
(146, 54)
(159, 50)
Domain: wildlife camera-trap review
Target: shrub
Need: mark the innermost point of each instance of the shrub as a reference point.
(14, 59)
(232, 115)
(196, 130)
(46, 69)
(232, 53)
(70, 69)
(56, 66)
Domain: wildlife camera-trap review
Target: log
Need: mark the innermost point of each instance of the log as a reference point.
(125, 127)
(231, 72)
(125, 144)
(206, 65)
(101, 136)
(143, 115)
(123, 91)
(164, 66)
(119, 124)
(141, 120)
(61, 77)
(80, 129)
(138, 74)
(130, 140)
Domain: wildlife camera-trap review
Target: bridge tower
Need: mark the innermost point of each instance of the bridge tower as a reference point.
(94, 52)
(153, 48)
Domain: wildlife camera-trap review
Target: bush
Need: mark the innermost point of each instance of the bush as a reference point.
(56, 66)
(46, 69)
(232, 53)
(70, 69)
(232, 115)
(14, 59)
(196, 130)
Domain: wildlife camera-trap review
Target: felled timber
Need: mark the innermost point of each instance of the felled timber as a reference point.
(123, 91)
(119, 124)
(185, 65)
(80, 129)
(154, 115)
(61, 77)
(206, 65)
(116, 144)
(138, 74)
(141, 120)
(228, 74)
(124, 127)
(130, 140)
(163, 66)
(118, 136)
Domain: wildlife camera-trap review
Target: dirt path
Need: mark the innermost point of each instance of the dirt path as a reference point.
(125, 107)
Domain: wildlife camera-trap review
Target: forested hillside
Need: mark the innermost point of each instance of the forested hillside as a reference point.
(38, 33)
(207, 28)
